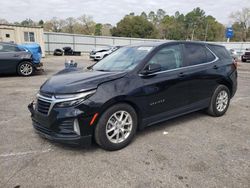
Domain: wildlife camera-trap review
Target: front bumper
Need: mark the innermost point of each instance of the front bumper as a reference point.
(58, 125)
(53, 136)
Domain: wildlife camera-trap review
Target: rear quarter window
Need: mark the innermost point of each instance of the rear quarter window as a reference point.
(220, 51)
(210, 56)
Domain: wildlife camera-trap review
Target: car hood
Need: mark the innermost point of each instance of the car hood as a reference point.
(78, 81)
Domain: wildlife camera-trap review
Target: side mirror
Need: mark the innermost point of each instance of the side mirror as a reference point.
(151, 68)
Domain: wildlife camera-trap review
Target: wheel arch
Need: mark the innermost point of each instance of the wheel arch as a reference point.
(119, 100)
(24, 60)
(227, 84)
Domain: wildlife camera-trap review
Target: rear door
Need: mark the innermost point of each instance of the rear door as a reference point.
(201, 73)
(9, 58)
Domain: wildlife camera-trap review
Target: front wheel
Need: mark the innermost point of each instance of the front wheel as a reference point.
(25, 68)
(219, 102)
(116, 127)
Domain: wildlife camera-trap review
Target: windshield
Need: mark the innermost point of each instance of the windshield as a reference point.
(123, 59)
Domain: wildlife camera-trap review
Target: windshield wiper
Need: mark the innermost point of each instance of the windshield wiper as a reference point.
(103, 70)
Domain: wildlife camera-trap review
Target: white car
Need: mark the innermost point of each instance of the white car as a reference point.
(98, 54)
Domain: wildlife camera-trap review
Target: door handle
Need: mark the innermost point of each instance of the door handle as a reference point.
(181, 74)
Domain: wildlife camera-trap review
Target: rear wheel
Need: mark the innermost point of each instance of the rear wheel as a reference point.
(25, 68)
(116, 127)
(219, 102)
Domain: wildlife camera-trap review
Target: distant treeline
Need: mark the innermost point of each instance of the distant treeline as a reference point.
(194, 25)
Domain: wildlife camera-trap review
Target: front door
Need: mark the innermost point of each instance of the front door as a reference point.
(166, 90)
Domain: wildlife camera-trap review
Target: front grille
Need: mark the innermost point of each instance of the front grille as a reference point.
(43, 106)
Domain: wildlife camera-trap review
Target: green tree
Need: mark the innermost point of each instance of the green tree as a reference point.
(98, 29)
(41, 22)
(134, 26)
(194, 23)
(144, 15)
(28, 22)
(152, 17)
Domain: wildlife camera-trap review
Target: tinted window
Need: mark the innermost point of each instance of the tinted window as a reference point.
(8, 48)
(195, 54)
(220, 51)
(210, 56)
(169, 57)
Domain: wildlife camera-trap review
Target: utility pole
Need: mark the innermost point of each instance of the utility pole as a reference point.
(192, 38)
(206, 32)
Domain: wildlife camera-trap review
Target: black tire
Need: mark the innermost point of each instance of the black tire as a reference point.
(28, 65)
(243, 60)
(101, 137)
(213, 109)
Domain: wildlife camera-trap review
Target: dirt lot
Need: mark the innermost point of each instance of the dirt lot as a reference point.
(195, 150)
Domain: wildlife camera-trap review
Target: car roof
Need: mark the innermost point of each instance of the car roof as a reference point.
(8, 43)
(159, 43)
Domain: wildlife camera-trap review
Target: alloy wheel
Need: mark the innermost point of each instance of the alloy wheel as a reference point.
(222, 101)
(119, 127)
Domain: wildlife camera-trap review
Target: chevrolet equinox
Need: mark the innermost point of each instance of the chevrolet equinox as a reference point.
(134, 87)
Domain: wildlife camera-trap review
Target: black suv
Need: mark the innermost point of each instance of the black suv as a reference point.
(134, 87)
(14, 59)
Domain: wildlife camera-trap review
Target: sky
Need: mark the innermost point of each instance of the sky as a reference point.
(111, 11)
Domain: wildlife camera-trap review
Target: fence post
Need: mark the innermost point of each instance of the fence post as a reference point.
(95, 41)
(48, 42)
(74, 44)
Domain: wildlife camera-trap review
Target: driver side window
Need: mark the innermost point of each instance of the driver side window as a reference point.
(169, 57)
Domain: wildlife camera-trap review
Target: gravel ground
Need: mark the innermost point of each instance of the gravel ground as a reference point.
(194, 150)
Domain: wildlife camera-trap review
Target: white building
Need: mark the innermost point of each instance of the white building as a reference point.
(22, 34)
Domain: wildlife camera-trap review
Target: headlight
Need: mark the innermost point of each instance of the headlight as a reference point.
(67, 100)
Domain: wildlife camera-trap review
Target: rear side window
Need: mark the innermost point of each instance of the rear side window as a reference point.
(8, 48)
(195, 54)
(220, 51)
(210, 56)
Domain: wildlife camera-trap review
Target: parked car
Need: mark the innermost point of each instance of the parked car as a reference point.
(35, 50)
(16, 59)
(246, 56)
(98, 54)
(134, 87)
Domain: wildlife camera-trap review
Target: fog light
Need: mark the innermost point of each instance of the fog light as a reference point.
(76, 127)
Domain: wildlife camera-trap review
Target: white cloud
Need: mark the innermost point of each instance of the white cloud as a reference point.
(111, 11)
